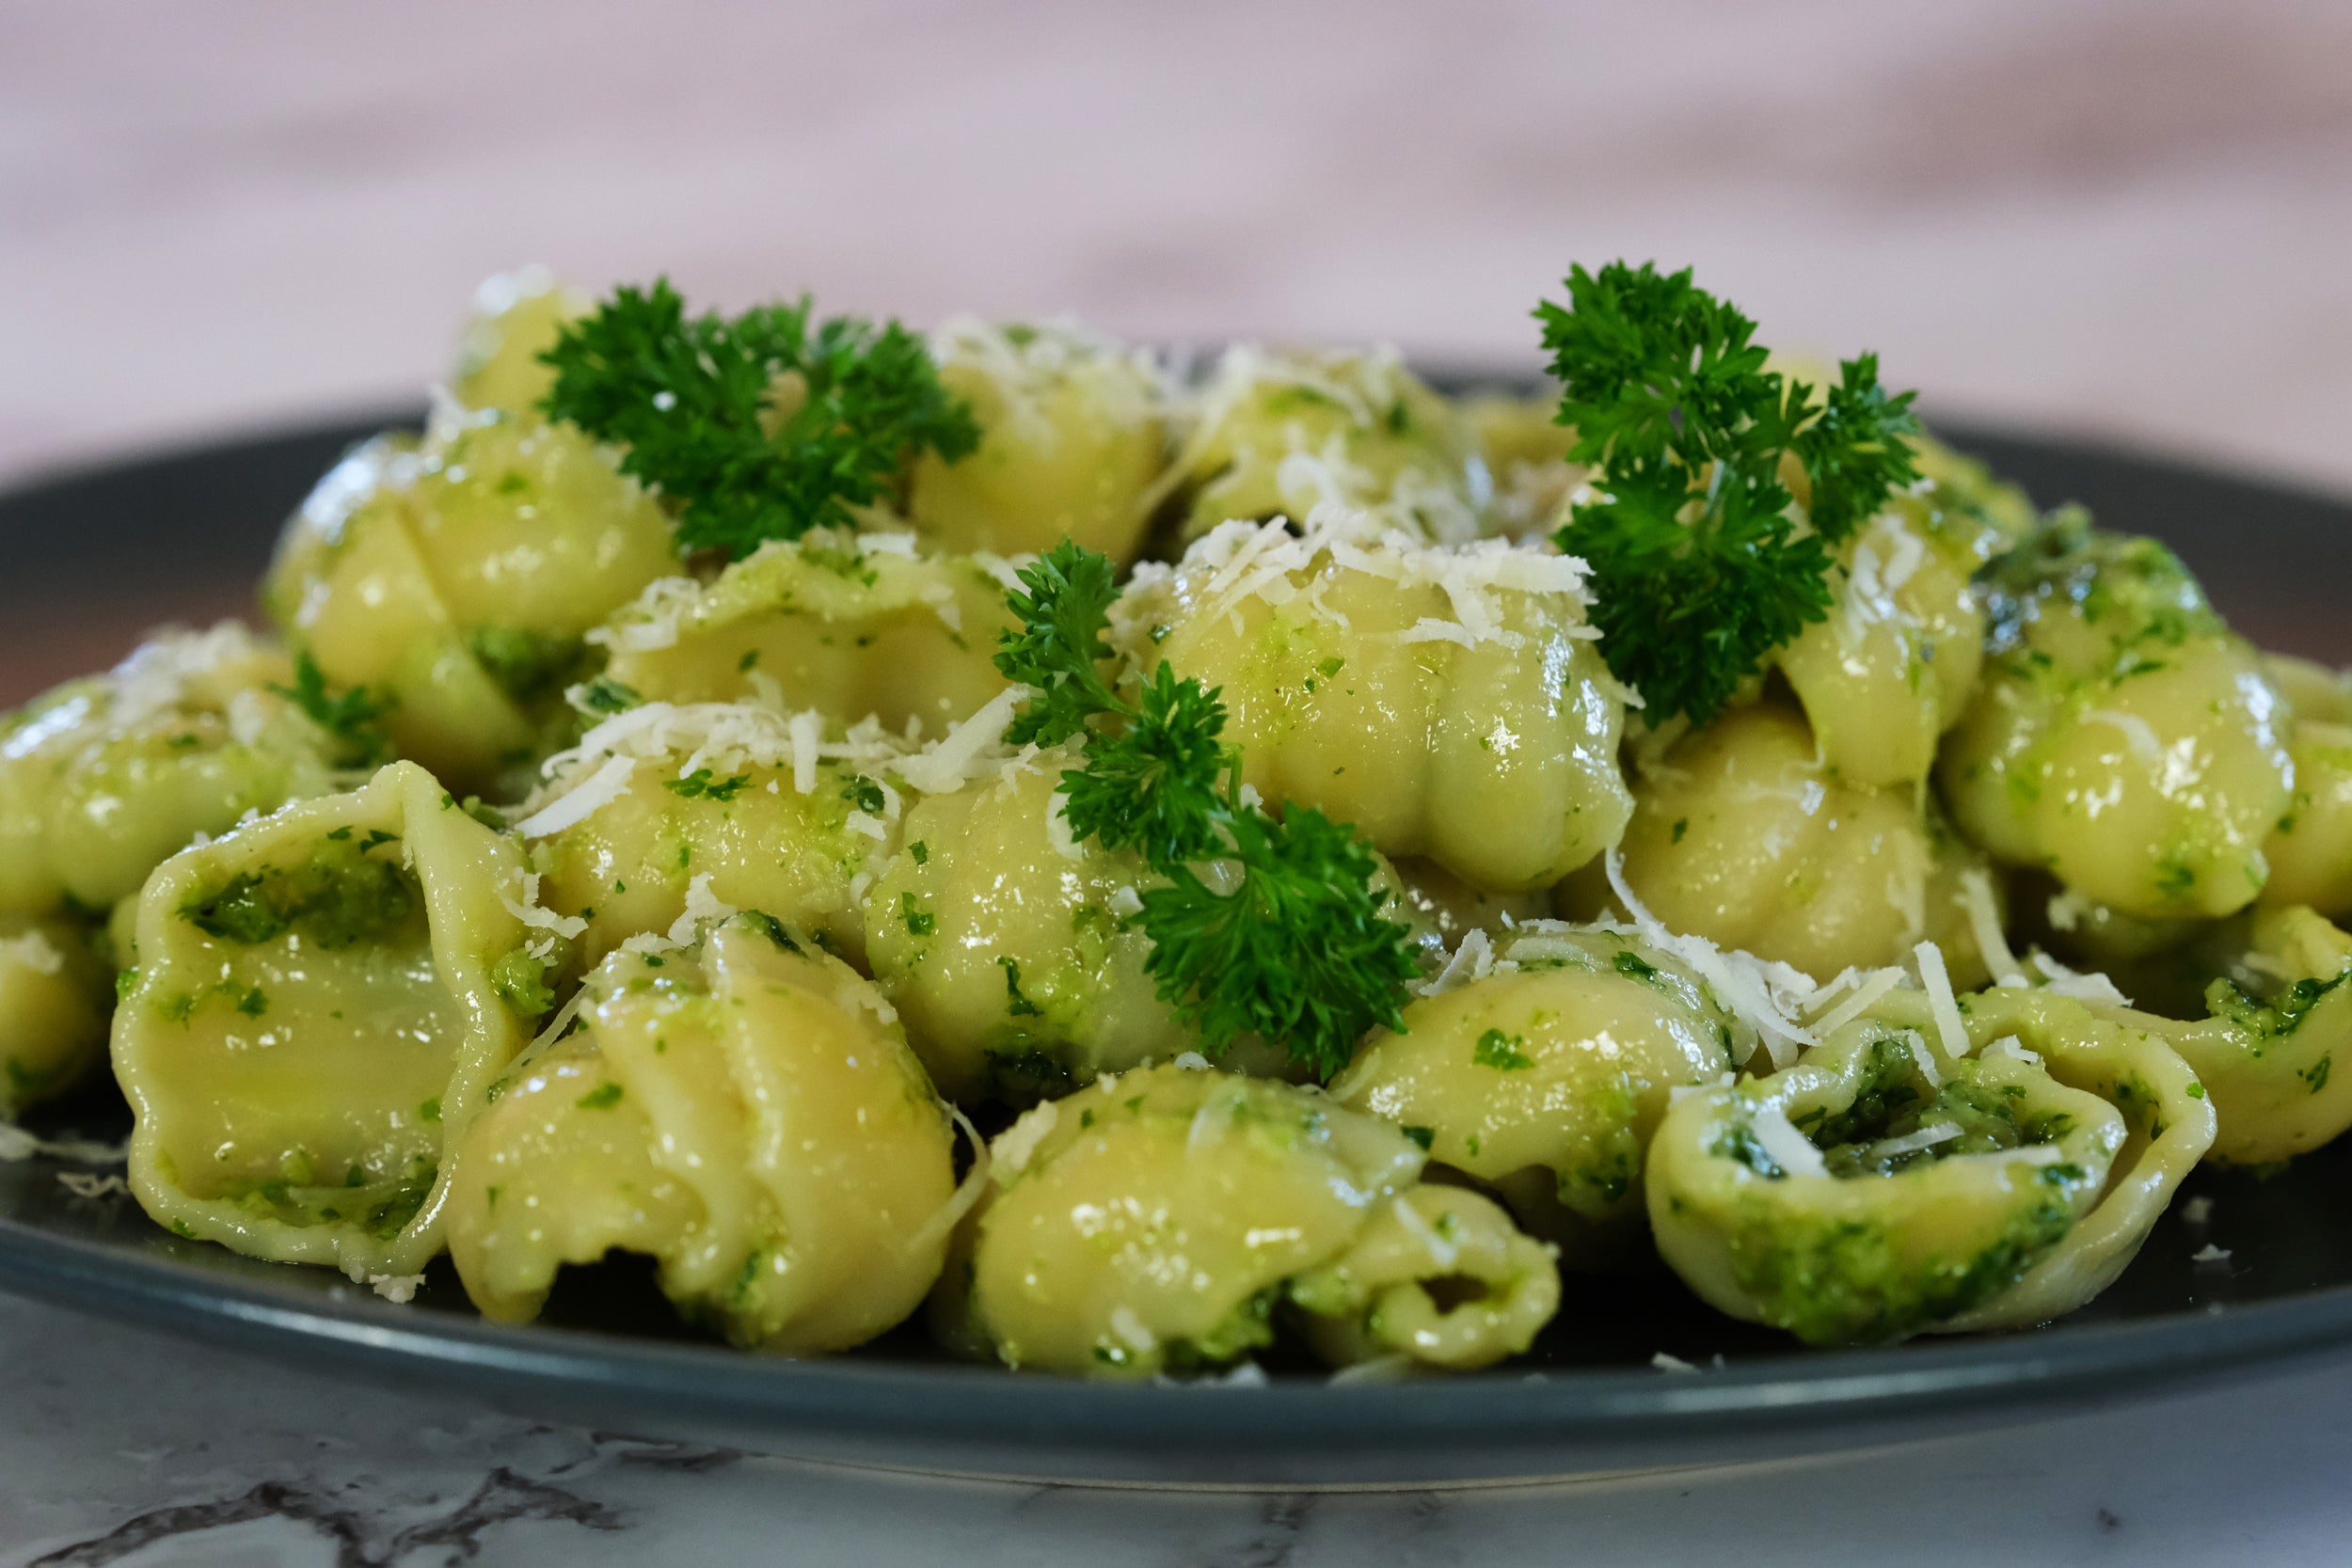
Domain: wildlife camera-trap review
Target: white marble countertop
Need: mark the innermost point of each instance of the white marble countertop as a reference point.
(2100, 215)
(120, 1448)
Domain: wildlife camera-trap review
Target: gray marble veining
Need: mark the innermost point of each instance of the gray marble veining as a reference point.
(119, 1448)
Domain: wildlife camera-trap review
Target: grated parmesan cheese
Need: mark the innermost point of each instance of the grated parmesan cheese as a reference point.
(702, 907)
(33, 951)
(1951, 1033)
(1742, 983)
(1791, 1149)
(966, 752)
(1984, 924)
(1016, 1144)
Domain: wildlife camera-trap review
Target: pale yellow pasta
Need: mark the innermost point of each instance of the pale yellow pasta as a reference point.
(456, 580)
(1741, 835)
(1526, 450)
(2123, 739)
(321, 1002)
(1149, 1222)
(713, 809)
(517, 317)
(1545, 1083)
(1281, 433)
(2265, 1050)
(1895, 662)
(1885, 1186)
(1074, 437)
(746, 1112)
(1010, 960)
(853, 626)
(1375, 1302)
(101, 779)
(1450, 706)
(53, 997)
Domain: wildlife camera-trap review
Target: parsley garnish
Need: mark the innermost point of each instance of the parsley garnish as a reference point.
(700, 784)
(354, 717)
(1698, 568)
(754, 427)
(1294, 947)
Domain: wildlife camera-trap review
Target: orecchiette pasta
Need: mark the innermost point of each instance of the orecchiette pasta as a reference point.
(1152, 1221)
(748, 1113)
(1889, 1183)
(1008, 956)
(1451, 706)
(53, 998)
(1894, 663)
(458, 580)
(662, 806)
(1281, 433)
(857, 626)
(1545, 1083)
(1439, 1277)
(100, 780)
(321, 1002)
(2123, 739)
(517, 318)
(1073, 434)
(1741, 835)
(2266, 1053)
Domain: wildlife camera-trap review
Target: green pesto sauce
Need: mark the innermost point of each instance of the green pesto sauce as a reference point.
(339, 897)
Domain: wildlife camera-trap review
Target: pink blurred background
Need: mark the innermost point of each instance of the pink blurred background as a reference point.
(2122, 216)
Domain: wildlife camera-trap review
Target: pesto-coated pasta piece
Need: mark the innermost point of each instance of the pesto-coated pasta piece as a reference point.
(853, 626)
(456, 581)
(54, 993)
(1544, 1079)
(517, 317)
(1008, 956)
(101, 779)
(321, 999)
(748, 1115)
(1149, 1222)
(1376, 1301)
(1281, 433)
(1742, 837)
(2276, 1021)
(1525, 448)
(2310, 850)
(2123, 739)
(1883, 1185)
(1895, 662)
(1452, 705)
(2314, 690)
(756, 810)
(1074, 435)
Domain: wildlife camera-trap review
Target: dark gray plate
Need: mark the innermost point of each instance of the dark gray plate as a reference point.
(95, 556)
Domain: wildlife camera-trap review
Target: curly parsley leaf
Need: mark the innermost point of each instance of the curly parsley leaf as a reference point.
(1290, 944)
(1057, 643)
(1298, 951)
(758, 427)
(355, 717)
(1698, 567)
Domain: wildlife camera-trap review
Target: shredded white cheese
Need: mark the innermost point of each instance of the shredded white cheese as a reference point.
(34, 951)
(1951, 1033)
(967, 750)
(1742, 982)
(1791, 1149)
(1984, 924)
(1016, 1144)
(1910, 1143)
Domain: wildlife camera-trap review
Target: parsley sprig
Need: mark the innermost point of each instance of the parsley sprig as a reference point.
(756, 427)
(1699, 568)
(1290, 942)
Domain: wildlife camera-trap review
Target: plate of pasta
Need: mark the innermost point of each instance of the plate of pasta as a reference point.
(991, 899)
